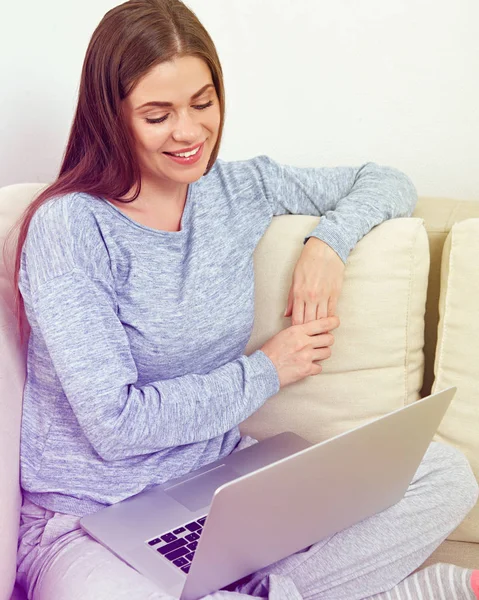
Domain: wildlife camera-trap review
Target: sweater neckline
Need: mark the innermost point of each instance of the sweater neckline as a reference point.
(185, 218)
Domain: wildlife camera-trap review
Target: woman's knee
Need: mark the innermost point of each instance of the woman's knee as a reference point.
(456, 473)
(86, 570)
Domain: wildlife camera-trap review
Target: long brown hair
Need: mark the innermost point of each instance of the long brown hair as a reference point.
(99, 159)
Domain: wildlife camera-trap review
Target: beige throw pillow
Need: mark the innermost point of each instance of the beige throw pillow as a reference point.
(377, 360)
(457, 352)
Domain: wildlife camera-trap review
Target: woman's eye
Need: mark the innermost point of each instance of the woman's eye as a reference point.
(159, 120)
(198, 107)
(203, 106)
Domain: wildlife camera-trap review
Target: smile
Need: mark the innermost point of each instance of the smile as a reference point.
(187, 158)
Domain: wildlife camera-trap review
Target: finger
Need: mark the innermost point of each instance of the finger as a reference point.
(321, 354)
(298, 312)
(332, 304)
(322, 340)
(321, 325)
(333, 322)
(289, 306)
(310, 312)
(322, 309)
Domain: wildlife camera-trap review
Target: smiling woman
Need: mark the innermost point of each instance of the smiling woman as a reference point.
(145, 56)
(173, 140)
(161, 129)
(135, 270)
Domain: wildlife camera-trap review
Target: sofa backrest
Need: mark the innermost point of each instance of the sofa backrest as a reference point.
(13, 200)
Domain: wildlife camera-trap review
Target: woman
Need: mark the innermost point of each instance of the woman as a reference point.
(136, 276)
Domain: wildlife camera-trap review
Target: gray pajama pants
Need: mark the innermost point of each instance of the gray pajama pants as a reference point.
(57, 561)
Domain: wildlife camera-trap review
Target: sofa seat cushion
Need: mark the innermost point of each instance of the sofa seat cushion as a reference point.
(377, 358)
(457, 352)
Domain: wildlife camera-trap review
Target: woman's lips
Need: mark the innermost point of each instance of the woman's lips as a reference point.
(190, 160)
(186, 149)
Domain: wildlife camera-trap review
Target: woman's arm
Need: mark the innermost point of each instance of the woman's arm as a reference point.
(90, 351)
(70, 294)
(350, 200)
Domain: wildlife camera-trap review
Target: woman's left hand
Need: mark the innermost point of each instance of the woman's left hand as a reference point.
(317, 282)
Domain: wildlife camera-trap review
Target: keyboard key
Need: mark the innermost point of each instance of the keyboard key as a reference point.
(176, 554)
(190, 556)
(169, 537)
(179, 530)
(155, 541)
(173, 546)
(193, 526)
(186, 568)
(192, 546)
(179, 562)
(202, 521)
(192, 537)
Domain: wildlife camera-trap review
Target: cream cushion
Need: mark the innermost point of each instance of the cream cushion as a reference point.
(377, 360)
(457, 352)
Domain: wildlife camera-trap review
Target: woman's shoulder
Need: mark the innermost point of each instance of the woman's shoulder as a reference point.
(65, 224)
(243, 173)
(66, 215)
(246, 165)
(72, 204)
(64, 235)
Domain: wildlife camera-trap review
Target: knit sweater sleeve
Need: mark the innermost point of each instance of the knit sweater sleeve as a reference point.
(349, 200)
(67, 282)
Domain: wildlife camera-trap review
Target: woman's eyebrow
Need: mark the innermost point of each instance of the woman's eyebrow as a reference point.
(162, 104)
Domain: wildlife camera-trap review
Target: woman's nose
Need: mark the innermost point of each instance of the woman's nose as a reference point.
(187, 128)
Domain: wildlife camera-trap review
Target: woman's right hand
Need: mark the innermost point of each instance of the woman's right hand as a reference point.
(295, 350)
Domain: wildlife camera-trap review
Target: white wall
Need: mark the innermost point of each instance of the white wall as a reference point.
(309, 82)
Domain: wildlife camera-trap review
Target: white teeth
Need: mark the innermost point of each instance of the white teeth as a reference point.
(186, 154)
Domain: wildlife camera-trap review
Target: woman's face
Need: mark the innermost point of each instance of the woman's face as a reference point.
(187, 122)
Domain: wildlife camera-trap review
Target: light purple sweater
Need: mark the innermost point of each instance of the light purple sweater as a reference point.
(136, 370)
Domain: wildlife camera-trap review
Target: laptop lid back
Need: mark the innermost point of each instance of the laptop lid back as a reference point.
(294, 502)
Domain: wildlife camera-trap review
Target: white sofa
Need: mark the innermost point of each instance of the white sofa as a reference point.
(409, 324)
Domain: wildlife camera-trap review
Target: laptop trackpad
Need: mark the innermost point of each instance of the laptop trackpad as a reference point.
(197, 492)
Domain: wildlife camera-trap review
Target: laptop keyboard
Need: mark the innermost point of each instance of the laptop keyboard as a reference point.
(179, 545)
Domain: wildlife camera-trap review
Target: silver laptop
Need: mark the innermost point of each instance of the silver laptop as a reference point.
(214, 526)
